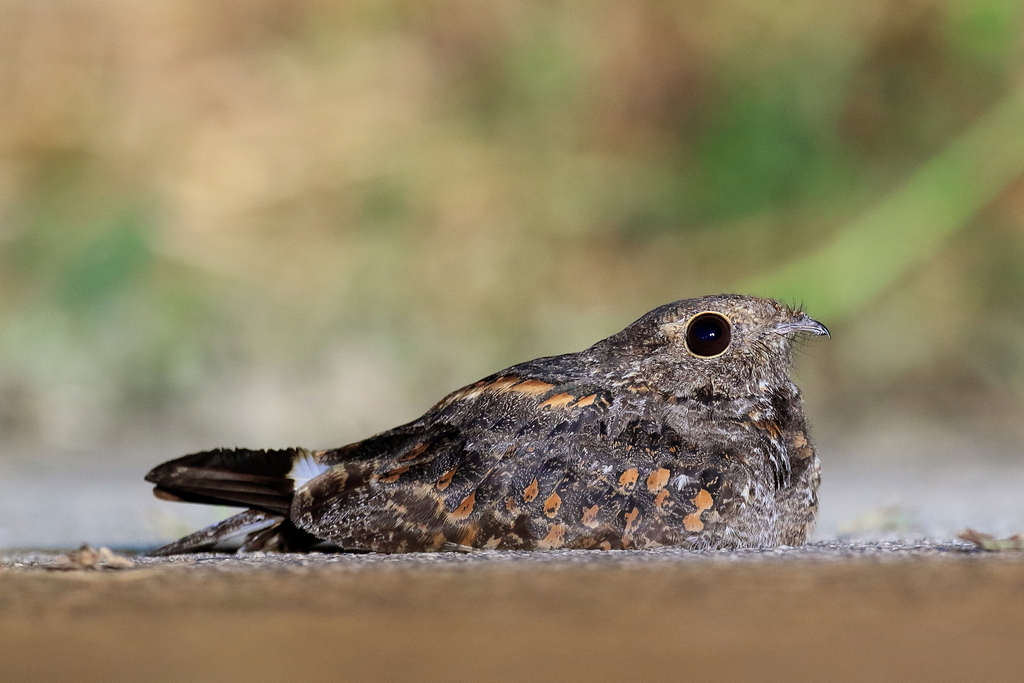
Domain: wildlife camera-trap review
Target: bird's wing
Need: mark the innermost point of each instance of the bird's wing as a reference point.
(248, 531)
(514, 461)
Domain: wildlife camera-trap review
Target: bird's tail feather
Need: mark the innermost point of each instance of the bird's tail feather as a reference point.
(263, 480)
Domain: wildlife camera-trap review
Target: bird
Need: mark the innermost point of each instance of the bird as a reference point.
(684, 430)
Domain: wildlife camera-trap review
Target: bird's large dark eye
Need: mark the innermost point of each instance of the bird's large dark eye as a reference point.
(708, 334)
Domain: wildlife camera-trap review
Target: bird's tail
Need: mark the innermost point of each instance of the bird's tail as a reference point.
(263, 481)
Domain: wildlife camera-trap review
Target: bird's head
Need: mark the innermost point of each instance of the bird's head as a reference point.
(727, 344)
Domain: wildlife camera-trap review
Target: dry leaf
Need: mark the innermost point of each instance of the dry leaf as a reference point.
(111, 561)
(88, 557)
(989, 542)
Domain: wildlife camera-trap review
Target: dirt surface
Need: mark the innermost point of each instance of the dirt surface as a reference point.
(829, 611)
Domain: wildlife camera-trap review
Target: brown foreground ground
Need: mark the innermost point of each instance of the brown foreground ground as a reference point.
(828, 612)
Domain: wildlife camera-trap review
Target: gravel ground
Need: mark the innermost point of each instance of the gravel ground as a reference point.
(817, 551)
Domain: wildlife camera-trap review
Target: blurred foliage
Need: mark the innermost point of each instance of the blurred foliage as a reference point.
(291, 220)
(867, 256)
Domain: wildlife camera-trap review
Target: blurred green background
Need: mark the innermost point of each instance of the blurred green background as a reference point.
(268, 223)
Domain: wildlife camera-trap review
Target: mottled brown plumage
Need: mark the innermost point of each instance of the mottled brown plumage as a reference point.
(683, 429)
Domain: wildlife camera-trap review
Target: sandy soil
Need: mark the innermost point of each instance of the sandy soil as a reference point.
(830, 611)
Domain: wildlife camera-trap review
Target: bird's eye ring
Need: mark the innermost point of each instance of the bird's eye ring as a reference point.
(708, 334)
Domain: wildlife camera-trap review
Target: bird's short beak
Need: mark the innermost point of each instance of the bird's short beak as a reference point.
(802, 323)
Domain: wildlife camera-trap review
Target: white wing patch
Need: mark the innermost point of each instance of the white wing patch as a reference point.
(234, 539)
(683, 480)
(306, 468)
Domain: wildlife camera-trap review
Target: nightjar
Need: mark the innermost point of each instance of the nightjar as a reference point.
(683, 429)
